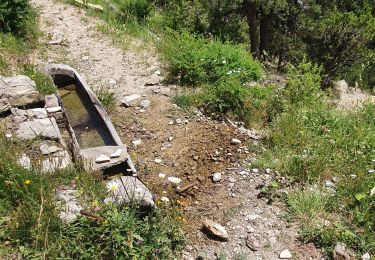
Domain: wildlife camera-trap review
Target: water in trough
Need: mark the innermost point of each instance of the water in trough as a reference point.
(83, 117)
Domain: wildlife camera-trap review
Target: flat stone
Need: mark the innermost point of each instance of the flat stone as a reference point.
(45, 128)
(70, 207)
(55, 42)
(215, 230)
(24, 161)
(285, 254)
(19, 91)
(39, 113)
(51, 101)
(48, 149)
(128, 189)
(4, 105)
(53, 109)
(90, 155)
(116, 154)
(102, 158)
(145, 103)
(366, 256)
(59, 160)
(130, 100)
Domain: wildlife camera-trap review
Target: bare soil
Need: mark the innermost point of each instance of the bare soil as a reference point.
(190, 146)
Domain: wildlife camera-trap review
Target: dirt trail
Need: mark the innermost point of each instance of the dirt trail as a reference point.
(93, 54)
(190, 146)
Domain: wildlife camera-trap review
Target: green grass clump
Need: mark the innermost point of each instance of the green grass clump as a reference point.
(196, 60)
(30, 226)
(44, 83)
(310, 141)
(106, 96)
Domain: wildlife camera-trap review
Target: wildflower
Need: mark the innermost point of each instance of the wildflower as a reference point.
(179, 219)
(372, 192)
(371, 171)
(157, 250)
(229, 72)
(95, 204)
(27, 182)
(178, 201)
(224, 61)
(162, 175)
(138, 242)
(112, 187)
(105, 222)
(165, 199)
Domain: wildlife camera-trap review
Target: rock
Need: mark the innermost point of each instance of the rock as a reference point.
(116, 154)
(130, 100)
(48, 149)
(215, 230)
(162, 175)
(285, 254)
(145, 103)
(45, 128)
(53, 109)
(170, 139)
(157, 160)
(4, 105)
(59, 160)
(90, 155)
(235, 141)
(51, 101)
(152, 80)
(255, 170)
(112, 81)
(366, 256)
(329, 183)
(129, 190)
(24, 161)
(174, 180)
(55, 42)
(70, 207)
(19, 91)
(232, 180)
(216, 177)
(102, 158)
(158, 72)
(341, 253)
(253, 243)
(137, 142)
(252, 133)
(39, 113)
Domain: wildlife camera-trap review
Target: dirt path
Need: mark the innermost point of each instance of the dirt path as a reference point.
(175, 143)
(78, 43)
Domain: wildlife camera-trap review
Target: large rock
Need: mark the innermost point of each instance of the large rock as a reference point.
(59, 160)
(19, 91)
(342, 253)
(102, 157)
(130, 100)
(215, 230)
(45, 128)
(4, 105)
(51, 101)
(70, 207)
(128, 189)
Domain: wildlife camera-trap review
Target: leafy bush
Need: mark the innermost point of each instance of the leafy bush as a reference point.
(17, 17)
(197, 60)
(134, 10)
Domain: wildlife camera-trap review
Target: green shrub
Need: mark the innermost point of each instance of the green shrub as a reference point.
(134, 10)
(196, 60)
(229, 95)
(17, 17)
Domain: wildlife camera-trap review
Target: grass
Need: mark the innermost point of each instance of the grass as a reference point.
(44, 83)
(30, 225)
(107, 96)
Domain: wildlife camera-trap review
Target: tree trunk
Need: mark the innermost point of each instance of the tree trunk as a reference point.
(264, 33)
(251, 14)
